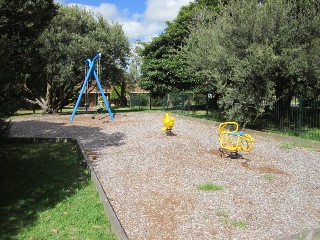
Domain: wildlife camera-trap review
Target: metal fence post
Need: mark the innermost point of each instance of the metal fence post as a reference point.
(300, 115)
(182, 102)
(207, 106)
(139, 100)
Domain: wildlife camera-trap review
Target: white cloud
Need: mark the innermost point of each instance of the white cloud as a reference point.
(109, 11)
(163, 10)
(141, 26)
(132, 28)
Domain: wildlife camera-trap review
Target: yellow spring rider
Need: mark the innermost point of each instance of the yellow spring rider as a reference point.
(168, 123)
(231, 140)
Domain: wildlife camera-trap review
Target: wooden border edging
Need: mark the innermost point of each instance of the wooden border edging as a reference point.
(108, 209)
(115, 223)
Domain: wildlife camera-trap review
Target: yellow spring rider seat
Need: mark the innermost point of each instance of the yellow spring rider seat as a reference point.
(231, 140)
(168, 122)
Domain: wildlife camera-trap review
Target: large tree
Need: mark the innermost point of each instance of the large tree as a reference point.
(73, 36)
(21, 22)
(256, 53)
(163, 69)
(118, 50)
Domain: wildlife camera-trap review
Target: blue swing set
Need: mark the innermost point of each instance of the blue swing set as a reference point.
(93, 71)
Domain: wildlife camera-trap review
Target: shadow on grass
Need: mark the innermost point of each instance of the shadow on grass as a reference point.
(35, 177)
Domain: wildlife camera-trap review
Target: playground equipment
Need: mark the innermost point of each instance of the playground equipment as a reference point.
(93, 71)
(168, 122)
(231, 140)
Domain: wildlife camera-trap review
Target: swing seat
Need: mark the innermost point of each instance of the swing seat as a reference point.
(236, 133)
(99, 109)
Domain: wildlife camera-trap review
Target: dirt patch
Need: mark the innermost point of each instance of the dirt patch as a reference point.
(263, 169)
(163, 208)
(215, 152)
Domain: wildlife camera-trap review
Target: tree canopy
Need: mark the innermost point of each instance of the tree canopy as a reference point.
(163, 69)
(44, 47)
(256, 53)
(249, 53)
(21, 23)
(73, 36)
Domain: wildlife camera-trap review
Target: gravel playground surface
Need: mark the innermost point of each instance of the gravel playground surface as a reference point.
(150, 178)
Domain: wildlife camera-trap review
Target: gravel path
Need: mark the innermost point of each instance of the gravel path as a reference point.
(151, 178)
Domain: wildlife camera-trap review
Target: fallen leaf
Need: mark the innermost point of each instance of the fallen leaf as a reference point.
(98, 227)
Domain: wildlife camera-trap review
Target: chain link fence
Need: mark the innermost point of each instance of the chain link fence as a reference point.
(299, 117)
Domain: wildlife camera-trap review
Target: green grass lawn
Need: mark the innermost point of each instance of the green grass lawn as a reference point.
(26, 113)
(46, 193)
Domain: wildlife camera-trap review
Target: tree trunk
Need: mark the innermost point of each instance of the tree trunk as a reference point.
(44, 103)
(123, 99)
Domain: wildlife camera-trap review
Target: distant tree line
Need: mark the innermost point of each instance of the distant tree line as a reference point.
(43, 47)
(249, 53)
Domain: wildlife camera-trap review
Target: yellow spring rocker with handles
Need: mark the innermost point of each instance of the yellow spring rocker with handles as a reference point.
(231, 140)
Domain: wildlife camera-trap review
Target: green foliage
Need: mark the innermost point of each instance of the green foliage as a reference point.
(114, 95)
(118, 94)
(63, 46)
(5, 125)
(209, 187)
(239, 224)
(269, 177)
(73, 36)
(255, 53)
(225, 219)
(223, 213)
(302, 143)
(163, 68)
(47, 194)
(21, 22)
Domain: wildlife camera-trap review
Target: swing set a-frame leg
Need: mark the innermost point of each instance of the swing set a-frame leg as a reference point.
(92, 70)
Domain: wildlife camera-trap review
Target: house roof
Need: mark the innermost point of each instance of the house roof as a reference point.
(133, 88)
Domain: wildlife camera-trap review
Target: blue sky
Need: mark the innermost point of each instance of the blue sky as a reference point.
(140, 19)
